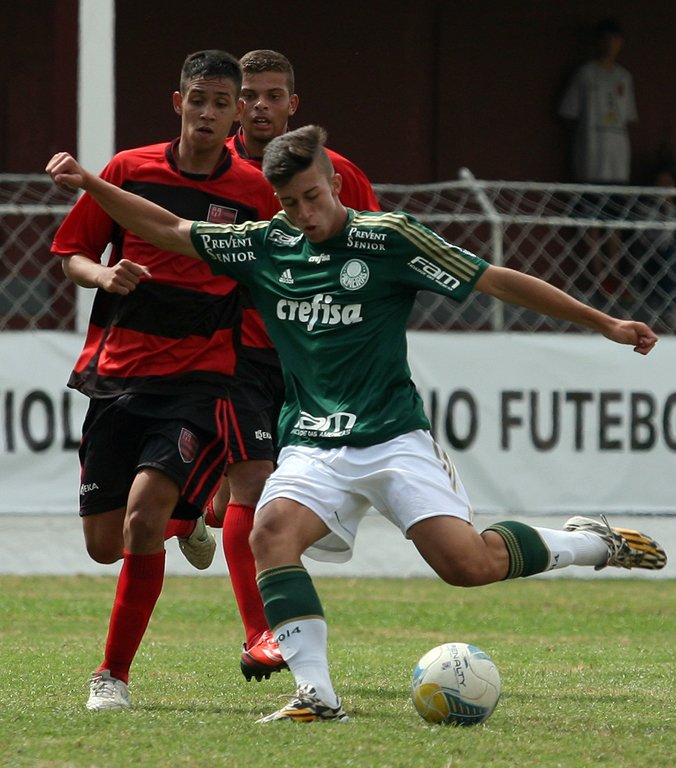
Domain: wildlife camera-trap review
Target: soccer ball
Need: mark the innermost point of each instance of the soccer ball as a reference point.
(456, 684)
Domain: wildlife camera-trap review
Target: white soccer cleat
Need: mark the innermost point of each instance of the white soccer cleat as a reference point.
(626, 548)
(106, 692)
(307, 707)
(200, 546)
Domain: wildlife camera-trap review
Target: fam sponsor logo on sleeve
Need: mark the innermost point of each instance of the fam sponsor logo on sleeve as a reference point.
(434, 272)
(279, 237)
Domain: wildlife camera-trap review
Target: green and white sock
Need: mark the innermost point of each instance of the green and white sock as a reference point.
(573, 548)
(528, 554)
(294, 613)
(535, 550)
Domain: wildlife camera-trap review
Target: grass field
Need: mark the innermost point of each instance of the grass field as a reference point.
(588, 670)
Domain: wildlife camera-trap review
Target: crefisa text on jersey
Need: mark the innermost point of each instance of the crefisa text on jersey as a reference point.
(319, 311)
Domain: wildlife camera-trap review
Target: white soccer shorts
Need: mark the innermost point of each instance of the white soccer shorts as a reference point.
(406, 479)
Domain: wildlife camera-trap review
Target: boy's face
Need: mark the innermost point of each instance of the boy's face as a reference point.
(266, 105)
(611, 45)
(208, 109)
(311, 201)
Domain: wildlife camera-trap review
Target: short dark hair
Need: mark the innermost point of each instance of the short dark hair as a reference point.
(607, 28)
(210, 63)
(295, 151)
(265, 60)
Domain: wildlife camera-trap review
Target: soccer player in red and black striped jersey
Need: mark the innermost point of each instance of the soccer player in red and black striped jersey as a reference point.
(159, 355)
(268, 100)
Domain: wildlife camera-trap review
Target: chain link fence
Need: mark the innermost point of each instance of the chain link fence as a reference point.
(34, 293)
(612, 247)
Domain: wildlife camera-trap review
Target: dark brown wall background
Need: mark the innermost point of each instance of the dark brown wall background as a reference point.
(38, 71)
(411, 91)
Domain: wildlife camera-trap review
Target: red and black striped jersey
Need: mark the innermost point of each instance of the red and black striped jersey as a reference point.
(356, 192)
(177, 331)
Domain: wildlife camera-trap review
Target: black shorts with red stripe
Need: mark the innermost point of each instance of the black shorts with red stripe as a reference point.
(256, 398)
(183, 437)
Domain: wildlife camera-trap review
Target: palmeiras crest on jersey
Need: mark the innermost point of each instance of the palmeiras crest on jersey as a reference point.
(188, 445)
(219, 214)
(354, 275)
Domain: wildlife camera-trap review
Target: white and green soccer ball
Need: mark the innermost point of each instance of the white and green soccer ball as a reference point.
(455, 684)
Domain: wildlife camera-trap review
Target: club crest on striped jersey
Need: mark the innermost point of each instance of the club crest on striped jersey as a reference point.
(354, 275)
(188, 445)
(220, 214)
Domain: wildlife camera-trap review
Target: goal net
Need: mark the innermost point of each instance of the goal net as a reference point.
(612, 247)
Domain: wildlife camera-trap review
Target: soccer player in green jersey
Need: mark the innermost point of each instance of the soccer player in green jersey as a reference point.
(335, 287)
(268, 100)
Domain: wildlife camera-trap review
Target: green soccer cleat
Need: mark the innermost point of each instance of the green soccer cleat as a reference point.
(626, 548)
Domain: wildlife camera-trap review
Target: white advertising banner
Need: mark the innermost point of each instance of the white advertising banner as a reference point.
(551, 423)
(40, 420)
(535, 423)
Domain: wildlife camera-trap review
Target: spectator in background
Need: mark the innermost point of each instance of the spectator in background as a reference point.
(599, 102)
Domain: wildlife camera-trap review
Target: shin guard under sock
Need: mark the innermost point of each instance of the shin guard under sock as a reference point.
(528, 554)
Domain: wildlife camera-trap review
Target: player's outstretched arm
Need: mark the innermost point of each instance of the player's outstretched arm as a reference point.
(514, 287)
(136, 214)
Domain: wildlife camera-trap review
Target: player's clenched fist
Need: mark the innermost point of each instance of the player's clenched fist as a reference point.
(638, 334)
(123, 277)
(65, 171)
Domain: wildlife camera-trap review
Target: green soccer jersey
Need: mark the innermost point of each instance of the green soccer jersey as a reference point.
(337, 313)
